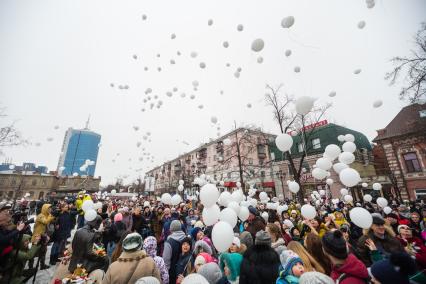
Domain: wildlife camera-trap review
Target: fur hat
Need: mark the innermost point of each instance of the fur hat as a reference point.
(132, 241)
(288, 259)
(175, 226)
(263, 238)
(334, 244)
(211, 272)
(314, 277)
(233, 262)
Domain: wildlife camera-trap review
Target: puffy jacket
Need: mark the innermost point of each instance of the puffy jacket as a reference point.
(24, 254)
(43, 219)
(355, 272)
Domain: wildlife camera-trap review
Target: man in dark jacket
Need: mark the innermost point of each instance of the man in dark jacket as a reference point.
(378, 244)
(255, 223)
(82, 248)
(63, 227)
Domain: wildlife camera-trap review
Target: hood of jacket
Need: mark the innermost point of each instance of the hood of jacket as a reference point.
(150, 246)
(352, 267)
(45, 209)
(178, 236)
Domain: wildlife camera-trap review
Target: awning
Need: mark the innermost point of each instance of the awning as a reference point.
(230, 184)
(268, 184)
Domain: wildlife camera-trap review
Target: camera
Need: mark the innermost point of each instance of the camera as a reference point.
(30, 221)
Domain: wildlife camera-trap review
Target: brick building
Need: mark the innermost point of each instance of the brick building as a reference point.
(403, 141)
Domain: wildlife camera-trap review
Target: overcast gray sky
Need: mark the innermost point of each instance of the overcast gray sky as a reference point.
(58, 59)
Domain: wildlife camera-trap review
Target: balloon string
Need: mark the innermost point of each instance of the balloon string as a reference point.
(299, 43)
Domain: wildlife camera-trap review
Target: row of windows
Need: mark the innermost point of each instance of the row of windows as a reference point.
(14, 181)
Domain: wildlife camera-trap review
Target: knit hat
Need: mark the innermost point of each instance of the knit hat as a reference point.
(118, 217)
(378, 219)
(233, 262)
(148, 280)
(175, 226)
(314, 277)
(403, 227)
(194, 232)
(246, 239)
(263, 238)
(194, 278)
(395, 269)
(334, 244)
(252, 210)
(288, 259)
(211, 272)
(132, 241)
(199, 260)
(236, 242)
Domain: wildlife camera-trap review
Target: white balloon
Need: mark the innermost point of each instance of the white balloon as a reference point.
(297, 69)
(244, 213)
(361, 217)
(181, 182)
(222, 236)
(97, 205)
(308, 211)
(288, 223)
(225, 198)
(237, 196)
(333, 151)
(287, 22)
(332, 94)
(348, 198)
(238, 184)
(324, 164)
(346, 158)
(210, 22)
(180, 187)
(213, 119)
(329, 181)
(193, 54)
(234, 206)
(304, 105)
(361, 25)
(364, 184)
(382, 202)
(113, 191)
(338, 167)
(349, 147)
(90, 215)
(349, 138)
(87, 205)
(349, 177)
(176, 199)
(319, 173)
(377, 103)
(367, 198)
(357, 71)
(344, 191)
(209, 195)
(202, 65)
(322, 192)
(229, 216)
(211, 215)
(387, 210)
(257, 45)
(263, 195)
(377, 186)
(166, 198)
(284, 142)
(293, 187)
(280, 209)
(288, 52)
(341, 138)
(285, 207)
(240, 28)
(260, 59)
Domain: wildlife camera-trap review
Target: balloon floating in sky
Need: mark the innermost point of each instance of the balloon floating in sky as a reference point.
(288, 52)
(193, 54)
(361, 25)
(144, 17)
(178, 53)
(237, 74)
(297, 69)
(56, 127)
(240, 28)
(304, 105)
(172, 61)
(249, 105)
(370, 4)
(257, 45)
(50, 139)
(332, 94)
(210, 22)
(260, 59)
(200, 106)
(225, 44)
(135, 56)
(202, 65)
(213, 119)
(357, 71)
(287, 22)
(377, 103)
(173, 36)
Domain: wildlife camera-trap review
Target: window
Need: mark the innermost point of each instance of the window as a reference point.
(40, 195)
(300, 147)
(306, 166)
(13, 182)
(411, 163)
(34, 182)
(262, 174)
(316, 143)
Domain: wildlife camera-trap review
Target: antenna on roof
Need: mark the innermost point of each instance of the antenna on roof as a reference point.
(87, 123)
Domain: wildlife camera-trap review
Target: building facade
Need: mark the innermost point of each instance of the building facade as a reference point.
(79, 146)
(313, 149)
(239, 156)
(403, 142)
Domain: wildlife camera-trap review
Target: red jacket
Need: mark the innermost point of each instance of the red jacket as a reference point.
(355, 271)
(420, 250)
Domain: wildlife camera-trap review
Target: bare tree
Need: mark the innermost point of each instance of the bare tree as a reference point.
(289, 121)
(415, 68)
(9, 135)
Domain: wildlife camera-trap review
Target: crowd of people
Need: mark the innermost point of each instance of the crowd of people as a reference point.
(142, 240)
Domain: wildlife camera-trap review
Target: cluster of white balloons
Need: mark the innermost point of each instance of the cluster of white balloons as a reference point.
(89, 208)
(86, 164)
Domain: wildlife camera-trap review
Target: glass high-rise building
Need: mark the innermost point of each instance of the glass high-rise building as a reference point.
(79, 145)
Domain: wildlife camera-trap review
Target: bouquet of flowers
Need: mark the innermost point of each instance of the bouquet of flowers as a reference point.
(99, 250)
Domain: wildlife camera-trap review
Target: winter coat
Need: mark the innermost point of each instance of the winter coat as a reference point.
(64, 224)
(150, 247)
(43, 219)
(171, 253)
(385, 247)
(279, 245)
(259, 266)
(22, 257)
(418, 247)
(183, 264)
(130, 267)
(82, 247)
(128, 221)
(115, 231)
(355, 271)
